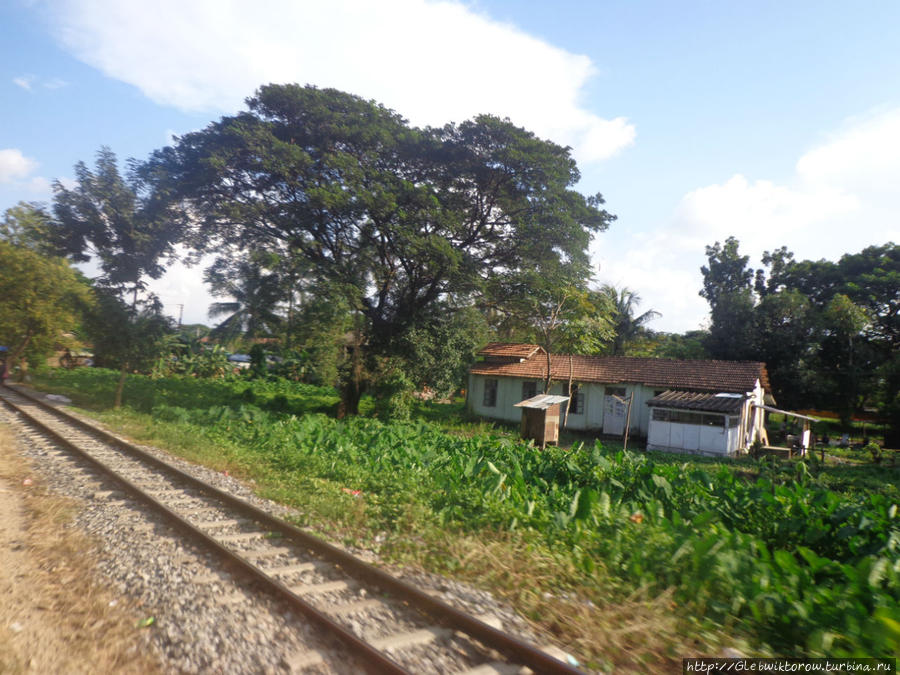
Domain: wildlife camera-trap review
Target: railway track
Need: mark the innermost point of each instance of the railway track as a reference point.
(325, 584)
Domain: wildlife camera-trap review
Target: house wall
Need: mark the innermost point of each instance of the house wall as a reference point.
(693, 438)
(595, 406)
(509, 392)
(696, 438)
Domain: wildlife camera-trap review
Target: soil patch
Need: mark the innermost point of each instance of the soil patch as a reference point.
(56, 616)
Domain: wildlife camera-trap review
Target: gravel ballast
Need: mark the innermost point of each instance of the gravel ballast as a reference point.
(204, 617)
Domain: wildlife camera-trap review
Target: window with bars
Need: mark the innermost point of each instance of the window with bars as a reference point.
(576, 402)
(689, 417)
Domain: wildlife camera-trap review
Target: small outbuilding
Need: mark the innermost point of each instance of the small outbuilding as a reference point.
(698, 423)
(540, 418)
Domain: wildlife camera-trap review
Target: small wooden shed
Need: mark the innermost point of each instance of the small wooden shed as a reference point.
(540, 418)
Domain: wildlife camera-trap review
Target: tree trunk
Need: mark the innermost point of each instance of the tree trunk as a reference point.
(351, 394)
(548, 379)
(120, 386)
(352, 389)
(290, 320)
(14, 357)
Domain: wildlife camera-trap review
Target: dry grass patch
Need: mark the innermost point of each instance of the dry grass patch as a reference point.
(55, 616)
(605, 629)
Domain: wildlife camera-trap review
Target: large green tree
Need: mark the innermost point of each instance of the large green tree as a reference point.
(726, 273)
(393, 218)
(845, 355)
(828, 331)
(116, 221)
(854, 365)
(870, 279)
(129, 230)
(40, 298)
(786, 334)
(728, 287)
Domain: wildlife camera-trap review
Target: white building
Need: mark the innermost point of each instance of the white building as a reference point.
(608, 391)
(721, 424)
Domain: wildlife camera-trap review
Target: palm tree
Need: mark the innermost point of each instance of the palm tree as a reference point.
(255, 293)
(627, 325)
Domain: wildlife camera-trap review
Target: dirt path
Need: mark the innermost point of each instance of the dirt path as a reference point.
(55, 617)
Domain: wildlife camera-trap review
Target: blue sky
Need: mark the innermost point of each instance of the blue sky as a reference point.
(775, 122)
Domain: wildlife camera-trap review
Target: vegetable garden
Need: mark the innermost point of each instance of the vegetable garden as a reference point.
(790, 559)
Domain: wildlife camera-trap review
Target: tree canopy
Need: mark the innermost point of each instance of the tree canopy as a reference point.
(391, 217)
(40, 298)
(28, 225)
(129, 228)
(828, 331)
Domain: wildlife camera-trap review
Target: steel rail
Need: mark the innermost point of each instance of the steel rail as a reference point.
(515, 649)
(376, 661)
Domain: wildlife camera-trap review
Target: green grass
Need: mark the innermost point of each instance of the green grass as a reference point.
(794, 559)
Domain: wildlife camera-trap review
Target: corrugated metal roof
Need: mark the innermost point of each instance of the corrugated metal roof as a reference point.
(541, 401)
(698, 375)
(687, 400)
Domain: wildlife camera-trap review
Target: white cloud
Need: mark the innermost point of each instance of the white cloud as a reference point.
(14, 165)
(433, 62)
(54, 83)
(843, 198)
(864, 157)
(183, 293)
(24, 81)
(39, 187)
(662, 268)
(760, 212)
(28, 82)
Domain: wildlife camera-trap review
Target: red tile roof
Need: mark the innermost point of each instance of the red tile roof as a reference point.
(695, 375)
